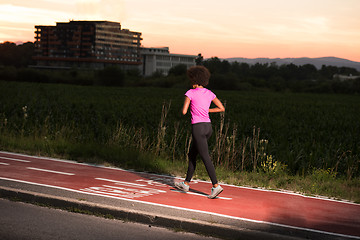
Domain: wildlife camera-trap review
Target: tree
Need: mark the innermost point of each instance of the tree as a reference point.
(199, 59)
(223, 81)
(25, 53)
(178, 70)
(308, 72)
(111, 76)
(327, 72)
(348, 71)
(289, 72)
(215, 65)
(8, 54)
(17, 56)
(242, 70)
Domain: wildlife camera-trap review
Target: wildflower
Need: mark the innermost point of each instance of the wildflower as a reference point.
(25, 112)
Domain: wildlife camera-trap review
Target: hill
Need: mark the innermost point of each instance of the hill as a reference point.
(317, 62)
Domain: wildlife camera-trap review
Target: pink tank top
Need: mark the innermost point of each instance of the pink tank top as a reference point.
(200, 101)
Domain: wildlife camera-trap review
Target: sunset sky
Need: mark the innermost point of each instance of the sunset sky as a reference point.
(227, 28)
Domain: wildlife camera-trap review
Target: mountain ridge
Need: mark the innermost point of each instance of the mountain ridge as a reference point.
(317, 62)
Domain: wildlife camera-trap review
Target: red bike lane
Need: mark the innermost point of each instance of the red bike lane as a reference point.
(247, 204)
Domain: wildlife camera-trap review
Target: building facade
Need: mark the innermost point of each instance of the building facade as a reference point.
(161, 60)
(343, 78)
(87, 44)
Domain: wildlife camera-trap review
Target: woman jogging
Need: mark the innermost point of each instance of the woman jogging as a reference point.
(199, 100)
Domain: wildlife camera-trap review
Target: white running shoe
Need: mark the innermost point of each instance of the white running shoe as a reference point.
(215, 192)
(182, 186)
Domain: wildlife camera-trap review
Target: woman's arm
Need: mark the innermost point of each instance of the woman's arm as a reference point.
(186, 105)
(219, 106)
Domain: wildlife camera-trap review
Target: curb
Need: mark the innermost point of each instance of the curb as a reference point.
(176, 223)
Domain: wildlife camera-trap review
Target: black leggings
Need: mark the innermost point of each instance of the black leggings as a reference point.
(201, 132)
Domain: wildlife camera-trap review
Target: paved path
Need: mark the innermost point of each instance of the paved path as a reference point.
(297, 212)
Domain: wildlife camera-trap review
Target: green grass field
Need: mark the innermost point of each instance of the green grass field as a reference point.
(302, 142)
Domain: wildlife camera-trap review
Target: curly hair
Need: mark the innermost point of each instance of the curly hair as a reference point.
(199, 75)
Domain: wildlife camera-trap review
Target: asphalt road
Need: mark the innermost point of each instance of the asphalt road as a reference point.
(25, 221)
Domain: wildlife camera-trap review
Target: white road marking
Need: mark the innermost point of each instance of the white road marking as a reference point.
(15, 159)
(6, 164)
(150, 190)
(199, 194)
(50, 171)
(129, 184)
(120, 182)
(122, 191)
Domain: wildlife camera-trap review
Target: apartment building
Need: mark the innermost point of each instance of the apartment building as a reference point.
(87, 44)
(161, 60)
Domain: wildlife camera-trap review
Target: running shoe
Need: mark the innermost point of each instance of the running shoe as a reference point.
(182, 186)
(215, 192)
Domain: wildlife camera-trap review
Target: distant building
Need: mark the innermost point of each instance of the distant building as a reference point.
(345, 77)
(87, 44)
(161, 60)
(98, 44)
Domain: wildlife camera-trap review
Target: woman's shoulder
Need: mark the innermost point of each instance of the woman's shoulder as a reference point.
(189, 91)
(209, 91)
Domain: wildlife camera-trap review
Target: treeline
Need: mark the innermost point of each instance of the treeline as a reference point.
(289, 77)
(16, 55)
(15, 59)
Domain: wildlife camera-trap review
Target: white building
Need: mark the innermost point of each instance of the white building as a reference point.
(161, 60)
(345, 77)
